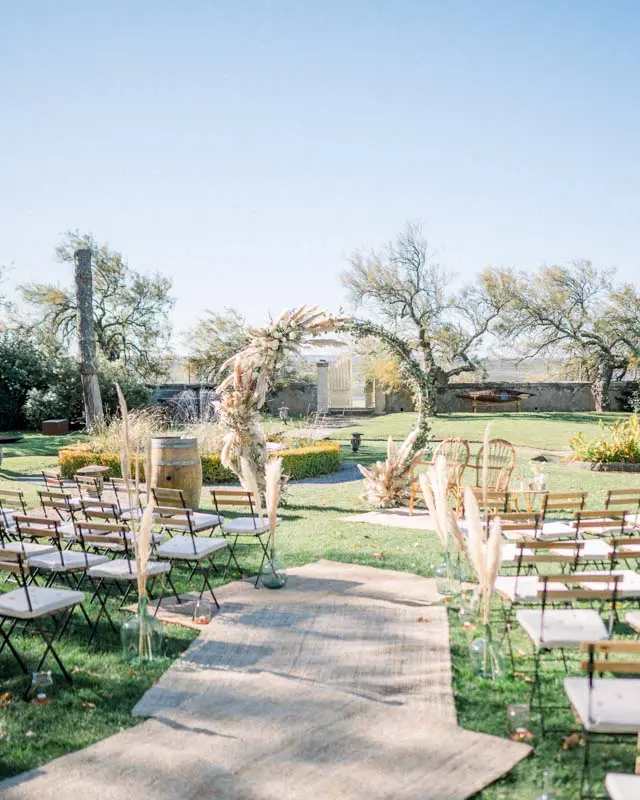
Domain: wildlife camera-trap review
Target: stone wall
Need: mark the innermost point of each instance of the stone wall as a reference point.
(300, 397)
(547, 396)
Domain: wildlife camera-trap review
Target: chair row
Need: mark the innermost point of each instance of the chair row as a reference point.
(558, 599)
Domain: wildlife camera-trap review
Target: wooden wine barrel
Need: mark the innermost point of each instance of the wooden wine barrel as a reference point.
(175, 464)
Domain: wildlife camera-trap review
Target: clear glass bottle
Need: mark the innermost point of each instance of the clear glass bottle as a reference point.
(487, 656)
(547, 786)
(273, 574)
(447, 577)
(203, 611)
(41, 688)
(142, 636)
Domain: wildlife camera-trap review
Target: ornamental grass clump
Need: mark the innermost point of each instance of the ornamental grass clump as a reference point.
(387, 482)
(618, 442)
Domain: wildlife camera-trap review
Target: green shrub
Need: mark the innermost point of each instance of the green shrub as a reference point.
(618, 442)
(304, 462)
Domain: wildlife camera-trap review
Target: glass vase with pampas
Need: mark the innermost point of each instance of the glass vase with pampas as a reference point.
(434, 484)
(273, 575)
(142, 636)
(487, 656)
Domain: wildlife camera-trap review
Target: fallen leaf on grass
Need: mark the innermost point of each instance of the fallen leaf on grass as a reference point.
(572, 741)
(524, 677)
(87, 704)
(29, 734)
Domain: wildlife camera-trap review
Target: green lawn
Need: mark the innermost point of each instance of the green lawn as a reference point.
(314, 527)
(543, 431)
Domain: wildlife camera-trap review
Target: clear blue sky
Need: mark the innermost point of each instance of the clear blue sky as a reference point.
(246, 148)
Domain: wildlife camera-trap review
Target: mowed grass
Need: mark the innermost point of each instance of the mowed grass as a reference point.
(544, 431)
(314, 526)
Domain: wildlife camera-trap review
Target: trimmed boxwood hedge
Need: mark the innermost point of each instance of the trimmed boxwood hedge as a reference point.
(299, 462)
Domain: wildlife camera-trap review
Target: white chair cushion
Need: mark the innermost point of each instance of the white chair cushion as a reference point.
(6, 519)
(511, 552)
(28, 548)
(518, 588)
(68, 530)
(121, 569)
(557, 529)
(202, 522)
(623, 787)
(633, 618)
(246, 526)
(615, 703)
(182, 548)
(595, 548)
(562, 627)
(67, 561)
(628, 587)
(44, 601)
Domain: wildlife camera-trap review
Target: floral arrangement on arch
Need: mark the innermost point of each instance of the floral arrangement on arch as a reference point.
(244, 391)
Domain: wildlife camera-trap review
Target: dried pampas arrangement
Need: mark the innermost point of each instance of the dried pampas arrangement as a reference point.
(387, 482)
(273, 575)
(141, 528)
(434, 484)
(484, 551)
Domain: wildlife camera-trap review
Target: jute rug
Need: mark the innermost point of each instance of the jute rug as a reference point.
(337, 687)
(396, 518)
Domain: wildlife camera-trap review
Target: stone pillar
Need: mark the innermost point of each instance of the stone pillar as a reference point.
(323, 385)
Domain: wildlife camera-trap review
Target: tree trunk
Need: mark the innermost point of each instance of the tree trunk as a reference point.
(424, 402)
(600, 388)
(428, 389)
(86, 340)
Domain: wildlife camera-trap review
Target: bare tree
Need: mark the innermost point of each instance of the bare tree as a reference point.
(86, 339)
(402, 286)
(575, 312)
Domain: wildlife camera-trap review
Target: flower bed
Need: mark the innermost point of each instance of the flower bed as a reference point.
(617, 444)
(298, 462)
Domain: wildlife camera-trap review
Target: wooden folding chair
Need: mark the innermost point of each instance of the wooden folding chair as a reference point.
(118, 573)
(32, 605)
(194, 551)
(607, 709)
(492, 501)
(11, 503)
(561, 629)
(199, 521)
(623, 499)
(254, 527)
(68, 566)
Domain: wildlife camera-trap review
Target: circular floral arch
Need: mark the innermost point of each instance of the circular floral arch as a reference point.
(252, 371)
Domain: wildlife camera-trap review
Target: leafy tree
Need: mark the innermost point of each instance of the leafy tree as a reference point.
(217, 337)
(404, 288)
(130, 309)
(575, 312)
(39, 380)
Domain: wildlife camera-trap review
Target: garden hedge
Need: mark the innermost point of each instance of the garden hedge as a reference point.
(300, 462)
